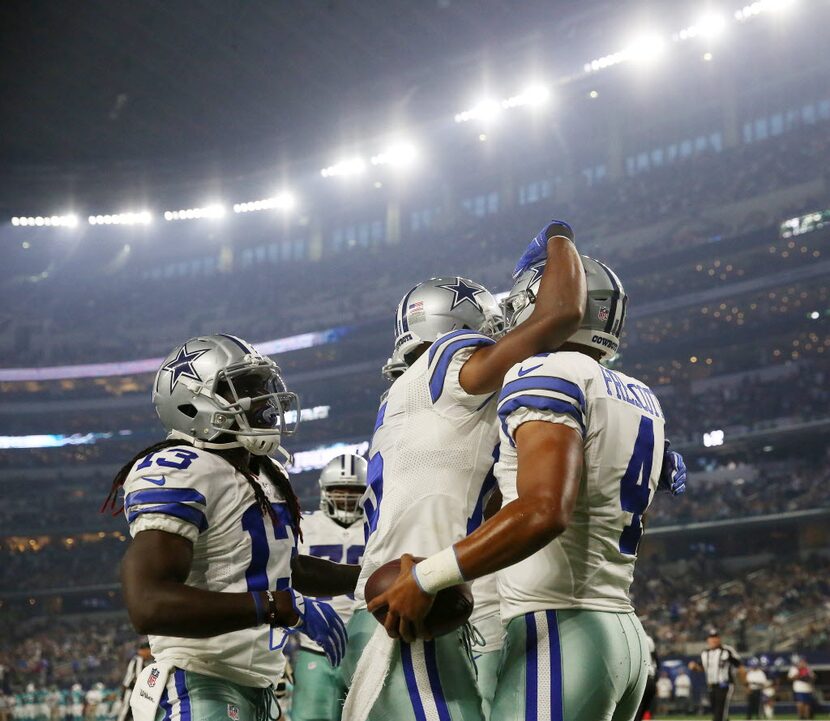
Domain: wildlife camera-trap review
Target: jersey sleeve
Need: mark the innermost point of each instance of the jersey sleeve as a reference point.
(543, 388)
(447, 356)
(170, 493)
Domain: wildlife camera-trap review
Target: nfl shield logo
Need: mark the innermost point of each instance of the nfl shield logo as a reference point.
(233, 712)
(603, 313)
(153, 677)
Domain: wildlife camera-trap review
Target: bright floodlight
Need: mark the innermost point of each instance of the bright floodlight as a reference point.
(708, 26)
(50, 221)
(281, 201)
(214, 210)
(762, 6)
(141, 217)
(344, 168)
(399, 155)
(646, 48)
(532, 95)
(485, 110)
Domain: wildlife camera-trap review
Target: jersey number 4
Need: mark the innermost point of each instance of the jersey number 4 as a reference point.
(634, 486)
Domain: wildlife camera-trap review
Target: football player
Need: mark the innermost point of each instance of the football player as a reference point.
(334, 532)
(430, 466)
(582, 452)
(212, 574)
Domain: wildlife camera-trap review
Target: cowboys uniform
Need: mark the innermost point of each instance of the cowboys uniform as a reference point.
(432, 450)
(335, 533)
(574, 648)
(489, 637)
(195, 493)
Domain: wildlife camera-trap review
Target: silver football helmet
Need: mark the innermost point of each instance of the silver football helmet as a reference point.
(438, 306)
(342, 484)
(218, 392)
(604, 317)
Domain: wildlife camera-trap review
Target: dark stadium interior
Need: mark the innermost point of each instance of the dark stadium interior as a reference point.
(704, 182)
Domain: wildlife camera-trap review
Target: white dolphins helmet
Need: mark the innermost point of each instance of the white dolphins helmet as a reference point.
(438, 306)
(342, 484)
(602, 323)
(218, 392)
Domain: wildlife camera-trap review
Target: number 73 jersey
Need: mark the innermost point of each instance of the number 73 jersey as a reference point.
(621, 424)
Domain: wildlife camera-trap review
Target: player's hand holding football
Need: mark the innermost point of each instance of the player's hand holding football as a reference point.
(407, 605)
(320, 622)
(538, 248)
(673, 472)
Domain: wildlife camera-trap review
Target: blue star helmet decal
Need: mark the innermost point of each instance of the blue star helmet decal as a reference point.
(182, 365)
(464, 293)
(537, 271)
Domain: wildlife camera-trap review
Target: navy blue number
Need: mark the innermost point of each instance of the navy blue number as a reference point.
(253, 523)
(371, 504)
(354, 554)
(634, 486)
(185, 459)
(333, 552)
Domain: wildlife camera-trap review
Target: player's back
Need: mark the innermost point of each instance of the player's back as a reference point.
(431, 453)
(591, 564)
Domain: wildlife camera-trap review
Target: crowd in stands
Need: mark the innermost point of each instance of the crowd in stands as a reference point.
(755, 610)
(134, 317)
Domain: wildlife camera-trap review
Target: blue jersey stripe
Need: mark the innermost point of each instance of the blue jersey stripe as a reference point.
(164, 495)
(411, 683)
(443, 340)
(556, 699)
(177, 510)
(531, 669)
(489, 485)
(435, 681)
(541, 403)
(381, 416)
(439, 371)
(547, 383)
(184, 696)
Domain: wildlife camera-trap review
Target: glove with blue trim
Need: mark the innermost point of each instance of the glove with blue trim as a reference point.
(320, 622)
(673, 473)
(538, 248)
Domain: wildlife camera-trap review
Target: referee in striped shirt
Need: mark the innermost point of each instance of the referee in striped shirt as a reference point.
(719, 663)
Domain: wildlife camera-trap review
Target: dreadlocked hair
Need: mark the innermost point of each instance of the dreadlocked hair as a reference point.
(256, 464)
(111, 502)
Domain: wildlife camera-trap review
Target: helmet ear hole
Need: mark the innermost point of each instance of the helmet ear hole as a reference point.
(188, 409)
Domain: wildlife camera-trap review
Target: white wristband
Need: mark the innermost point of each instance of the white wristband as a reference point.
(439, 571)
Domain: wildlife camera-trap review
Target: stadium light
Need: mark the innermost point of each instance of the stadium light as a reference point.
(712, 439)
(532, 96)
(762, 6)
(281, 201)
(645, 49)
(50, 221)
(141, 217)
(345, 168)
(708, 26)
(213, 210)
(485, 110)
(399, 155)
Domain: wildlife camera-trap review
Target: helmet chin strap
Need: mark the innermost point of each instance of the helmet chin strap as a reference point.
(198, 443)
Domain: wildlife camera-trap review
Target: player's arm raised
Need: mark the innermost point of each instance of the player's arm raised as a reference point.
(550, 459)
(313, 576)
(159, 602)
(556, 316)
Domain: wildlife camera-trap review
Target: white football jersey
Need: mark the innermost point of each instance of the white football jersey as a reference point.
(325, 538)
(591, 565)
(197, 494)
(431, 458)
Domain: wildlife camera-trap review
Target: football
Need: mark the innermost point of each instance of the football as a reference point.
(451, 609)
